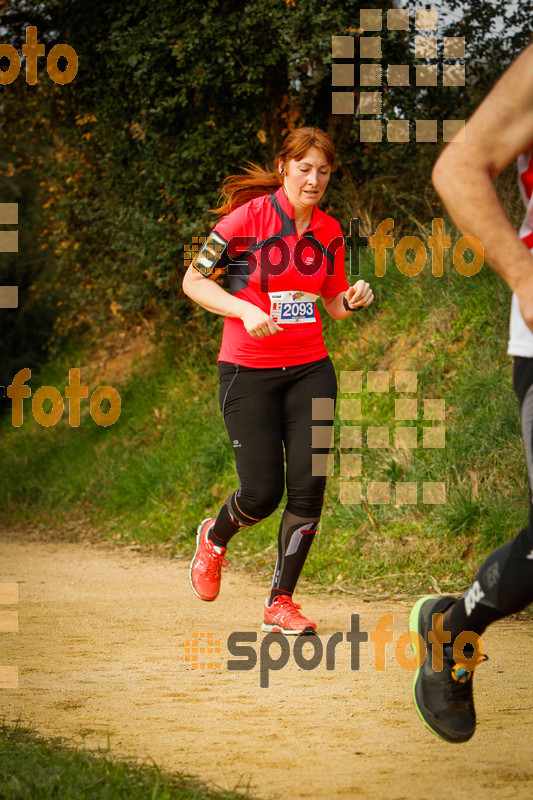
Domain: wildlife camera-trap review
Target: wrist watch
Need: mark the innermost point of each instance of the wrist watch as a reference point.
(347, 307)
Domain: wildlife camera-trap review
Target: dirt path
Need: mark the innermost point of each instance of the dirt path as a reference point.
(101, 653)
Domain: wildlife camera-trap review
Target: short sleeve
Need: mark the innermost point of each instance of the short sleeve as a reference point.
(336, 283)
(232, 224)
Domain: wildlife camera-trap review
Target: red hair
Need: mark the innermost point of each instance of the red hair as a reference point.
(238, 189)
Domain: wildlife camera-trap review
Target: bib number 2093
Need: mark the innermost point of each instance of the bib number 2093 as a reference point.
(292, 307)
(302, 310)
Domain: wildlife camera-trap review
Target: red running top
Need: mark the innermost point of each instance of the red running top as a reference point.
(266, 255)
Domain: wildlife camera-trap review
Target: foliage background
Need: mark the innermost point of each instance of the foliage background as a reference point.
(114, 172)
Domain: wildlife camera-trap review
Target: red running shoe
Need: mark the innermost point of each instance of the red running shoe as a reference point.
(283, 617)
(206, 566)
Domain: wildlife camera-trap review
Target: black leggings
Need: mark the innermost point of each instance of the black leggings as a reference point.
(264, 411)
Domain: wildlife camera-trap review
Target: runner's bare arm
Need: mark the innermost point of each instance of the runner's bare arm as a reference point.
(498, 131)
(360, 294)
(210, 295)
(199, 284)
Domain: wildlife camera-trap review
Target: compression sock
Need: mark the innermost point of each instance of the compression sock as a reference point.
(295, 537)
(230, 520)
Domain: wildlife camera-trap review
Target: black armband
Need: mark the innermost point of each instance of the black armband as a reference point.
(212, 255)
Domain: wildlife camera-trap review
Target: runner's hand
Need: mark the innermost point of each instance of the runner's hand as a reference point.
(259, 324)
(360, 294)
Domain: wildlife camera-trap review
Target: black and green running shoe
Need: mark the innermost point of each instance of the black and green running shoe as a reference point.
(442, 698)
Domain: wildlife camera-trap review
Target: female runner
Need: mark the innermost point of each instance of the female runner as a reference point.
(280, 252)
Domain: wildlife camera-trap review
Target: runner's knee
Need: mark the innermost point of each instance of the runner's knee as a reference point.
(307, 500)
(260, 502)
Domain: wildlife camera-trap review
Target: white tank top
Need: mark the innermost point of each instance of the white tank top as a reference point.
(520, 337)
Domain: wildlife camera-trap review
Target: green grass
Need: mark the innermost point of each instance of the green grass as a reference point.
(167, 462)
(33, 768)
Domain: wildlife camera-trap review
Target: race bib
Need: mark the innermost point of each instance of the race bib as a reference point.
(291, 307)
